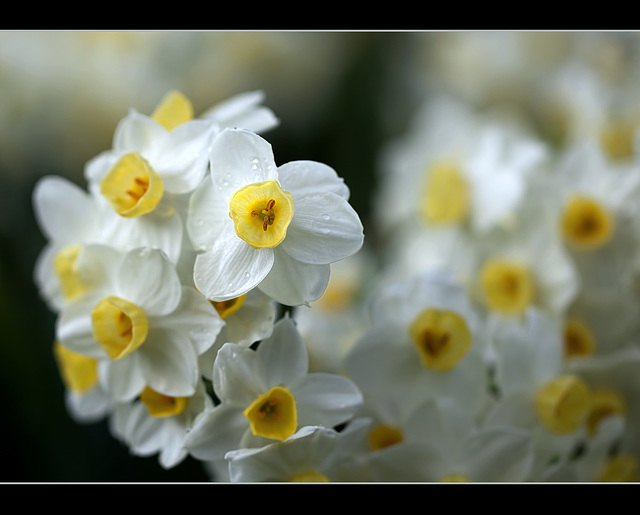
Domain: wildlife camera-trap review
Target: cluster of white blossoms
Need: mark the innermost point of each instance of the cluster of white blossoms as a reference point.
(491, 335)
(168, 272)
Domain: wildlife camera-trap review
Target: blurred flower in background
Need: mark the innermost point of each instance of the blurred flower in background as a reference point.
(510, 127)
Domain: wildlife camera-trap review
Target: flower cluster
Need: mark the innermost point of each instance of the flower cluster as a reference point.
(169, 272)
(491, 335)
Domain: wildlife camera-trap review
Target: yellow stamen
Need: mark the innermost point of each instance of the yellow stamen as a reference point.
(261, 213)
(119, 326)
(384, 436)
(441, 338)
(507, 286)
(132, 187)
(273, 414)
(578, 339)
(586, 223)
(563, 404)
(173, 110)
(79, 373)
(159, 405)
(446, 195)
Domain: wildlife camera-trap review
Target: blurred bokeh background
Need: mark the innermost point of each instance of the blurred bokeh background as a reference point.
(339, 97)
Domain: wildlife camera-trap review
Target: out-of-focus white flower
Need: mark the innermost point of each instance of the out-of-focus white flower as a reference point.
(267, 394)
(275, 228)
(143, 325)
(426, 340)
(157, 424)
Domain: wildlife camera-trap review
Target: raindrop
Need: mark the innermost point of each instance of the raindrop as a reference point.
(326, 217)
(247, 275)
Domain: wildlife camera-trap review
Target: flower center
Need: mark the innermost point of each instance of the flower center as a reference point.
(384, 436)
(441, 338)
(159, 405)
(174, 109)
(65, 266)
(273, 414)
(446, 195)
(563, 404)
(261, 213)
(78, 372)
(507, 286)
(226, 308)
(119, 326)
(578, 339)
(309, 476)
(132, 187)
(586, 223)
(604, 403)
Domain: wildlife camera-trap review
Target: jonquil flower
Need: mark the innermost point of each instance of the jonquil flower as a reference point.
(274, 227)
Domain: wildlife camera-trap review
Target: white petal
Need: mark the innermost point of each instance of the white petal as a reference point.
(136, 133)
(324, 229)
(303, 178)
(206, 217)
(240, 157)
(147, 278)
(326, 399)
(196, 317)
(122, 378)
(169, 363)
(230, 268)
(236, 377)
(74, 328)
(146, 436)
(215, 432)
(293, 283)
(243, 111)
(182, 157)
(62, 209)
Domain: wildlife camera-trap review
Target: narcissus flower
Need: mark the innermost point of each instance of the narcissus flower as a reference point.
(143, 325)
(267, 395)
(274, 227)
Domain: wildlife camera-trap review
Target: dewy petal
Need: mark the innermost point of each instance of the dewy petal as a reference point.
(230, 268)
(168, 362)
(239, 157)
(293, 283)
(236, 377)
(147, 278)
(206, 216)
(137, 133)
(121, 378)
(62, 209)
(304, 178)
(324, 229)
(182, 157)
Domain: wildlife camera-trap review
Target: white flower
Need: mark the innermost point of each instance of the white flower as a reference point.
(243, 110)
(426, 340)
(144, 327)
(267, 394)
(312, 454)
(276, 228)
(157, 424)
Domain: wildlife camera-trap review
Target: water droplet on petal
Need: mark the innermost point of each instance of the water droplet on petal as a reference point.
(326, 217)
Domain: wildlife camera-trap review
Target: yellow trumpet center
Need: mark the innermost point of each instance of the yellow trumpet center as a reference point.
(586, 223)
(79, 373)
(132, 187)
(507, 286)
(273, 414)
(441, 338)
(446, 195)
(384, 436)
(159, 405)
(174, 109)
(578, 339)
(261, 213)
(119, 326)
(226, 308)
(65, 266)
(563, 404)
